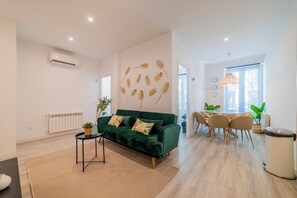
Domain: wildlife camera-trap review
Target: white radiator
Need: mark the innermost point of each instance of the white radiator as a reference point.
(64, 121)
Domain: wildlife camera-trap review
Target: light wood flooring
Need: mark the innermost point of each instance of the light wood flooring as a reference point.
(206, 169)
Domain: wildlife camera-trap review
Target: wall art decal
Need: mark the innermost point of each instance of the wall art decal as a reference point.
(138, 78)
(163, 90)
(161, 65)
(123, 90)
(158, 76)
(141, 96)
(147, 80)
(142, 66)
(128, 82)
(126, 73)
(152, 91)
(133, 92)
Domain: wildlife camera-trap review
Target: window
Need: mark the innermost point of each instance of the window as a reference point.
(238, 98)
(106, 91)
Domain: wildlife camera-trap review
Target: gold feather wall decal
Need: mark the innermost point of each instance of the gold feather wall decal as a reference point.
(147, 80)
(128, 82)
(133, 92)
(163, 90)
(152, 91)
(123, 90)
(161, 65)
(126, 73)
(142, 66)
(158, 76)
(138, 78)
(141, 96)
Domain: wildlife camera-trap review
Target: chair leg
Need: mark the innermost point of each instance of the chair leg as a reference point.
(251, 138)
(153, 163)
(235, 136)
(197, 127)
(211, 133)
(241, 135)
(247, 137)
(225, 134)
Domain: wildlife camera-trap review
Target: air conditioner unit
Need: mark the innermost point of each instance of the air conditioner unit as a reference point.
(63, 59)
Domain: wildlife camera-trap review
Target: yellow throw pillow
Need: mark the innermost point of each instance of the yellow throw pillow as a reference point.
(116, 120)
(142, 127)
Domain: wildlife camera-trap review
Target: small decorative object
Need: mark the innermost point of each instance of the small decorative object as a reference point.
(161, 65)
(164, 90)
(214, 94)
(103, 103)
(147, 80)
(213, 108)
(138, 78)
(158, 76)
(214, 79)
(128, 82)
(133, 92)
(88, 128)
(214, 87)
(141, 96)
(256, 115)
(152, 91)
(5, 181)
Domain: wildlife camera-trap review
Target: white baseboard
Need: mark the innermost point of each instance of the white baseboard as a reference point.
(7, 156)
(48, 135)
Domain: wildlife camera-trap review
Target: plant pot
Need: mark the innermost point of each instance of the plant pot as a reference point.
(257, 128)
(88, 131)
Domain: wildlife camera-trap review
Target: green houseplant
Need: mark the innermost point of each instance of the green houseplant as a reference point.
(256, 115)
(103, 104)
(88, 128)
(212, 108)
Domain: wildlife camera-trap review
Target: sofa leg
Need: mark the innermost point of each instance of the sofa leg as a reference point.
(153, 163)
(168, 153)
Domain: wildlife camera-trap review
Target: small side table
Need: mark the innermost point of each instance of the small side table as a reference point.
(81, 136)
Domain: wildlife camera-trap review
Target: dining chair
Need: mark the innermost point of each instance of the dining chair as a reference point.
(243, 123)
(200, 119)
(219, 122)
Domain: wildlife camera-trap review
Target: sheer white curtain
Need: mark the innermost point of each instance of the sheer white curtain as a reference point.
(238, 98)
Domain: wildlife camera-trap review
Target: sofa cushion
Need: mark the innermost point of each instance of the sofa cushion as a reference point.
(167, 118)
(142, 127)
(116, 120)
(110, 132)
(148, 145)
(126, 121)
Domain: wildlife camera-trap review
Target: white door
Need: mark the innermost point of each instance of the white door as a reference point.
(105, 91)
(183, 95)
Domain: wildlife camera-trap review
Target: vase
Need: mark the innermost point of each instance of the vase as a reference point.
(88, 131)
(257, 128)
(5, 180)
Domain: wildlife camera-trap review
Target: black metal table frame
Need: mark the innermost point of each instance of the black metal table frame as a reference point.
(83, 148)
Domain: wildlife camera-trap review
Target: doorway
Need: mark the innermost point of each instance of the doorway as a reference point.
(105, 91)
(183, 97)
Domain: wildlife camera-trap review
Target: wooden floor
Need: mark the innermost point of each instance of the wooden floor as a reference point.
(206, 169)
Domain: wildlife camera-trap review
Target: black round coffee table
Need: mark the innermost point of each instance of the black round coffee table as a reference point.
(81, 136)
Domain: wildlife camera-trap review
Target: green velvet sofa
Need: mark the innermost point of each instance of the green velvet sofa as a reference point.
(162, 139)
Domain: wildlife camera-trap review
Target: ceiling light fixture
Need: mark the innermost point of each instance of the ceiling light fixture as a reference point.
(229, 79)
(70, 38)
(226, 39)
(90, 19)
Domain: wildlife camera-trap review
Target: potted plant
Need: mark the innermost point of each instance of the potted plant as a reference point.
(103, 103)
(211, 108)
(88, 128)
(256, 115)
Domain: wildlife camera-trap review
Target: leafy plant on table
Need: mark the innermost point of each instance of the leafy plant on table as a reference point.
(211, 107)
(257, 112)
(87, 125)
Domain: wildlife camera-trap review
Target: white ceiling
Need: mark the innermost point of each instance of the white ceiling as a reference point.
(250, 25)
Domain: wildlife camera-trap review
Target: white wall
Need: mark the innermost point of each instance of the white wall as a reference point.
(183, 55)
(44, 88)
(217, 70)
(8, 87)
(281, 75)
(147, 52)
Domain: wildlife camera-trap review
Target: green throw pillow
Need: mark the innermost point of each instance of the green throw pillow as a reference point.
(142, 127)
(116, 120)
(126, 121)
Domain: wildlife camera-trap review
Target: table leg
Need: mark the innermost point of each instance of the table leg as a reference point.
(76, 152)
(83, 155)
(103, 149)
(96, 147)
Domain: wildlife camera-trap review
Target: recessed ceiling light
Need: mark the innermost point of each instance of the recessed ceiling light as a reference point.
(226, 39)
(90, 19)
(70, 38)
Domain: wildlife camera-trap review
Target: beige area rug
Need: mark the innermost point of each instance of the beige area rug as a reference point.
(56, 175)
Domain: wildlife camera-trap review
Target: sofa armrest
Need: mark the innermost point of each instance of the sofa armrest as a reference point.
(169, 136)
(101, 122)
